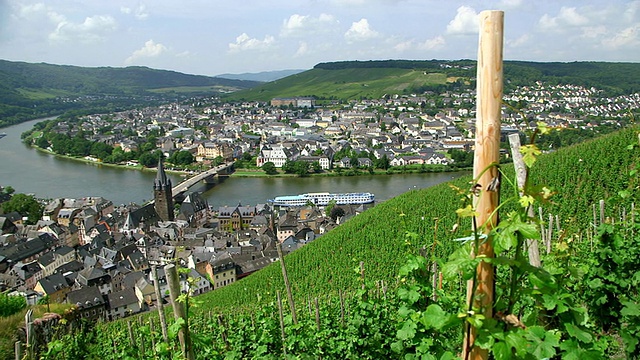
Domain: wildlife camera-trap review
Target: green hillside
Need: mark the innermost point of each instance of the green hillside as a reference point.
(241, 320)
(373, 79)
(581, 174)
(33, 90)
(348, 83)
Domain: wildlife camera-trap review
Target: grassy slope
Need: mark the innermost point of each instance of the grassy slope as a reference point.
(342, 84)
(101, 80)
(376, 237)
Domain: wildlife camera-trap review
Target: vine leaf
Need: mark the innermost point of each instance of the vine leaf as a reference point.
(543, 343)
(578, 333)
(436, 318)
(501, 351)
(529, 153)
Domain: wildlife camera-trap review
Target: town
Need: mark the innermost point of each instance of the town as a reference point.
(99, 256)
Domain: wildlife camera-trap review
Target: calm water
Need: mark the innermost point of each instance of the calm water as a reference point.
(46, 176)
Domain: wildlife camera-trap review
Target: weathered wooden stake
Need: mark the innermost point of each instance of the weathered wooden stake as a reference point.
(28, 321)
(317, 314)
(549, 233)
(159, 304)
(284, 345)
(434, 281)
(521, 177)
(153, 339)
(17, 346)
(485, 172)
(132, 341)
(286, 283)
(224, 330)
(179, 310)
(341, 307)
(601, 212)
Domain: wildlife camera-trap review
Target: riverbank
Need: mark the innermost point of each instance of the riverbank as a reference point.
(258, 173)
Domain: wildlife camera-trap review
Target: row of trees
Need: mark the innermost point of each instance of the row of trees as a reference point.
(25, 205)
(79, 145)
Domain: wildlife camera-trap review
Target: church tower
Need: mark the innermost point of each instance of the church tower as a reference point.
(162, 194)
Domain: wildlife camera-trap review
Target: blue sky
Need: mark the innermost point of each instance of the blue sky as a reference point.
(210, 37)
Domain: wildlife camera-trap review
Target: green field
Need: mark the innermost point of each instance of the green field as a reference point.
(343, 84)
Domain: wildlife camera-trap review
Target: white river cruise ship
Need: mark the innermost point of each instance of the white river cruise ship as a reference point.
(322, 199)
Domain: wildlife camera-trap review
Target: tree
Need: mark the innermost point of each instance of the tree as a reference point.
(336, 212)
(383, 162)
(181, 157)
(218, 160)
(25, 205)
(289, 167)
(149, 159)
(329, 207)
(301, 168)
(315, 166)
(269, 168)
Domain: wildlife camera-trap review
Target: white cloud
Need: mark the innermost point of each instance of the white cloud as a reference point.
(92, 29)
(464, 23)
(360, 31)
(593, 32)
(568, 17)
(510, 4)
(27, 11)
(184, 54)
(302, 25)
(626, 38)
(151, 49)
(303, 49)
(139, 12)
(434, 43)
(244, 43)
(632, 11)
(522, 40)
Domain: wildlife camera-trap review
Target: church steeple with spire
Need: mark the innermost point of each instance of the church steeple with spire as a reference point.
(162, 194)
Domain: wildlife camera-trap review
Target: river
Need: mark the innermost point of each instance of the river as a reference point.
(46, 176)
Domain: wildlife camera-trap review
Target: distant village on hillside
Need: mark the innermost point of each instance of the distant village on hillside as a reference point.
(99, 255)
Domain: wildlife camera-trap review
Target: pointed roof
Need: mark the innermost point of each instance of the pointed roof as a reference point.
(161, 178)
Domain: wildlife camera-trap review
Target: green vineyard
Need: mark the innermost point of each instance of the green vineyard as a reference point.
(391, 282)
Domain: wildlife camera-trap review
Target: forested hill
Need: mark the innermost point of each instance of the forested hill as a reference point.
(348, 80)
(30, 90)
(616, 77)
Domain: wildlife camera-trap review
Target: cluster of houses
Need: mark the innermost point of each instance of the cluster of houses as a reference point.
(410, 129)
(101, 258)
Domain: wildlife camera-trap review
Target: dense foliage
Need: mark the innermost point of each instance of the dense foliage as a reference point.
(30, 91)
(397, 307)
(10, 305)
(25, 205)
(617, 78)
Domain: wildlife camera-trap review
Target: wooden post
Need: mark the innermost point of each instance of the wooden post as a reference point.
(317, 314)
(152, 330)
(28, 322)
(282, 334)
(521, 176)
(132, 341)
(341, 307)
(487, 155)
(286, 283)
(601, 212)
(160, 305)
(179, 310)
(224, 331)
(549, 233)
(17, 347)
